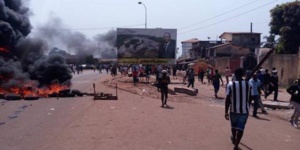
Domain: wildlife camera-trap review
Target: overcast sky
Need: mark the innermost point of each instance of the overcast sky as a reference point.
(192, 18)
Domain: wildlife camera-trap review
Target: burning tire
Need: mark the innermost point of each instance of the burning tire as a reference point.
(77, 93)
(66, 93)
(12, 97)
(2, 96)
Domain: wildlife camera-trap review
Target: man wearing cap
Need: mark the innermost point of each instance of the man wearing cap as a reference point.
(163, 82)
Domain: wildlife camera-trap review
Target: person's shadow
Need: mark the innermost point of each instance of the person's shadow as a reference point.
(244, 145)
(260, 118)
(168, 107)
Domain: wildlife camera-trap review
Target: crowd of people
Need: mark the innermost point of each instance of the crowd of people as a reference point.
(243, 88)
(261, 84)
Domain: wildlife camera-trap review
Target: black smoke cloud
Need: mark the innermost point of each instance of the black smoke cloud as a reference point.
(14, 22)
(110, 38)
(25, 62)
(57, 34)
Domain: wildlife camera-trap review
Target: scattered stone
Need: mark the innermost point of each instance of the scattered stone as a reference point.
(189, 91)
(12, 117)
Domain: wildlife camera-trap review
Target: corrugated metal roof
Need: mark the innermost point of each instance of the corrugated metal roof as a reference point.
(190, 40)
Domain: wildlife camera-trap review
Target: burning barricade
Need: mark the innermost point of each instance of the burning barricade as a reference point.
(32, 92)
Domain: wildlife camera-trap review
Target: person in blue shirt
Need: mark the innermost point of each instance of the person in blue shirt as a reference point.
(255, 93)
(260, 76)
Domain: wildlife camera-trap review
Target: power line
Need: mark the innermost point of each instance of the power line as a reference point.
(87, 28)
(228, 18)
(218, 15)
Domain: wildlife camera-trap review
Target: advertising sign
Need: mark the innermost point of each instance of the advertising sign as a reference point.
(146, 46)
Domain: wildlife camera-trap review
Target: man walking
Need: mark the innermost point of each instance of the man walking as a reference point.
(238, 100)
(174, 71)
(266, 81)
(201, 74)
(135, 76)
(216, 82)
(273, 86)
(227, 74)
(255, 92)
(164, 81)
(208, 70)
(191, 78)
(294, 91)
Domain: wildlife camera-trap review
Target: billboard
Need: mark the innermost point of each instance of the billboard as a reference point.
(146, 46)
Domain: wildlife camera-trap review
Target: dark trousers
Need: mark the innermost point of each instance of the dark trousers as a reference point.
(271, 90)
(164, 95)
(255, 104)
(135, 80)
(201, 78)
(191, 82)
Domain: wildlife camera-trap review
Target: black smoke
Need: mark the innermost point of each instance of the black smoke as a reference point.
(57, 34)
(107, 43)
(25, 63)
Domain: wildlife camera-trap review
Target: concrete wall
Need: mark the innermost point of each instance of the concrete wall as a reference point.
(287, 66)
(221, 63)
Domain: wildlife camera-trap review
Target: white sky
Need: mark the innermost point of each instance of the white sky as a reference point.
(107, 14)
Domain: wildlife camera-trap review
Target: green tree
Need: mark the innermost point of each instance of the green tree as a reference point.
(285, 22)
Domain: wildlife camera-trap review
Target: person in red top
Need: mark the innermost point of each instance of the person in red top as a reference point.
(199, 71)
(141, 73)
(134, 76)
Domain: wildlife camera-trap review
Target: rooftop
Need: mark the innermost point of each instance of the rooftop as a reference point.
(238, 33)
(221, 45)
(193, 40)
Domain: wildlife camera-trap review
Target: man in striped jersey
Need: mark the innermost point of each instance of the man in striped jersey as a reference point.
(238, 100)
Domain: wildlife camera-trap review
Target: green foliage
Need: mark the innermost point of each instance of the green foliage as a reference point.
(279, 48)
(285, 22)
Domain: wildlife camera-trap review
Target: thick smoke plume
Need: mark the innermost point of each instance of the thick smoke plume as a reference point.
(57, 34)
(22, 59)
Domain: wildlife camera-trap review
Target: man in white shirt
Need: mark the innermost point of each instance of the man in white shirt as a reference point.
(227, 74)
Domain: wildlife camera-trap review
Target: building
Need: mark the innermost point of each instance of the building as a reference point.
(227, 50)
(243, 39)
(187, 46)
(199, 49)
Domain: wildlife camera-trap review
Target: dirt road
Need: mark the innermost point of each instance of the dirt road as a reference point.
(134, 122)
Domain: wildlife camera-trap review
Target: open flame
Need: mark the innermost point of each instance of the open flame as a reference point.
(2, 49)
(51, 89)
(31, 91)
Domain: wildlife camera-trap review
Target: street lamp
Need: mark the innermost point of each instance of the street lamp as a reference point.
(145, 13)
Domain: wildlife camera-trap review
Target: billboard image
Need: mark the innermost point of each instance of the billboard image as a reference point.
(146, 46)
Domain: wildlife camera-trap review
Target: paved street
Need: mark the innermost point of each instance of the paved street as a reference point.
(135, 121)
